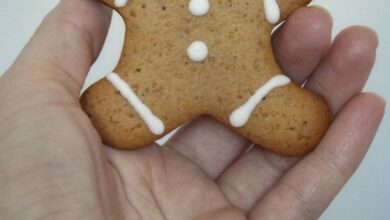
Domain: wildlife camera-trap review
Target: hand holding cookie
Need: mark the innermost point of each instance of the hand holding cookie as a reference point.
(183, 59)
(54, 165)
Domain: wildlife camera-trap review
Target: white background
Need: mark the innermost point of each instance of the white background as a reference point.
(366, 196)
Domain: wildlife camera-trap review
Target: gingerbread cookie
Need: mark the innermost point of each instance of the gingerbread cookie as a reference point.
(182, 59)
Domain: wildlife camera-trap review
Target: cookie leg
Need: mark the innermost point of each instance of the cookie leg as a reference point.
(117, 121)
(289, 120)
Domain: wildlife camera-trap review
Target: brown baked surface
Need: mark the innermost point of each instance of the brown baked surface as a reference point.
(154, 62)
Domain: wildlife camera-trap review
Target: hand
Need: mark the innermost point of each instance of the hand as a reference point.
(53, 164)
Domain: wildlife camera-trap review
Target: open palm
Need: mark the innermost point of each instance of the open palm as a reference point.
(53, 164)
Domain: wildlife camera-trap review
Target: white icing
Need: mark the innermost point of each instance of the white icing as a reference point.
(155, 125)
(241, 115)
(272, 11)
(198, 51)
(120, 3)
(199, 7)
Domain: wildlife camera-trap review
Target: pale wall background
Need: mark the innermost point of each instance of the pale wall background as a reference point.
(366, 196)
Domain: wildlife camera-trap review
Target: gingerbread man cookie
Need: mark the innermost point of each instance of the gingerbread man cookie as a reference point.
(182, 59)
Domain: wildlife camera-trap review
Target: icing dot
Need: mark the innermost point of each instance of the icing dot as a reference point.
(272, 11)
(198, 51)
(120, 3)
(199, 7)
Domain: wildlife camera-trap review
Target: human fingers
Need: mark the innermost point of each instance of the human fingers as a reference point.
(345, 69)
(308, 188)
(63, 48)
(301, 42)
(209, 144)
(245, 188)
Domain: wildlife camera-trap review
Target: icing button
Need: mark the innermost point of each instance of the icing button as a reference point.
(199, 7)
(198, 51)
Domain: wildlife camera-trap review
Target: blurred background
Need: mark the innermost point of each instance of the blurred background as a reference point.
(367, 194)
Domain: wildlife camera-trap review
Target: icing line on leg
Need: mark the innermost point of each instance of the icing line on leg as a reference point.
(155, 125)
(241, 115)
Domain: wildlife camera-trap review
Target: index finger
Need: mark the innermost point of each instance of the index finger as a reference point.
(301, 42)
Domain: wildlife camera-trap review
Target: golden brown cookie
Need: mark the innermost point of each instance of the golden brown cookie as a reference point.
(182, 59)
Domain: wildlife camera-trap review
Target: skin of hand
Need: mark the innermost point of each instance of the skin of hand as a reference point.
(53, 164)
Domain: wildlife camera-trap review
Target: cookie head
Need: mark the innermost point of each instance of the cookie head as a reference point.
(182, 59)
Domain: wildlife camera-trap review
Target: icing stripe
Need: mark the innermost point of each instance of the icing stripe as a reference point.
(155, 125)
(272, 11)
(241, 115)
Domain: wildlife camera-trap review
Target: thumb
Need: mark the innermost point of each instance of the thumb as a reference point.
(63, 48)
